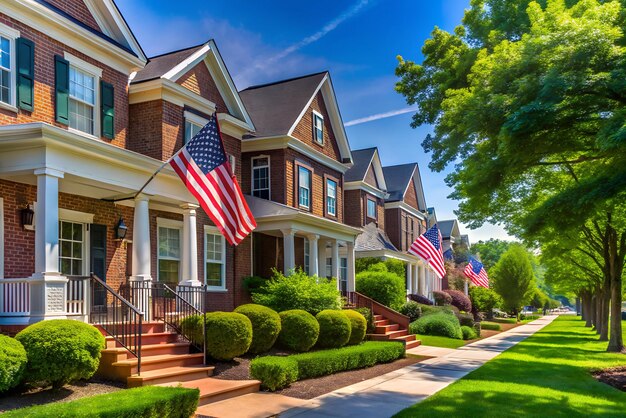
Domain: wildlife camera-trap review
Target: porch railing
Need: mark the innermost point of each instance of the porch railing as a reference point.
(77, 289)
(118, 317)
(14, 297)
(361, 301)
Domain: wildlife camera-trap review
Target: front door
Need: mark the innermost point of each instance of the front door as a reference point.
(97, 247)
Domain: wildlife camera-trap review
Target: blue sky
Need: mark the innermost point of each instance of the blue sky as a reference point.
(357, 40)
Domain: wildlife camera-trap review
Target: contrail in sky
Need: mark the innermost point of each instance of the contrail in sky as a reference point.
(380, 116)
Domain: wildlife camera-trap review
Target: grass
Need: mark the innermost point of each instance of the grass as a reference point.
(435, 341)
(547, 374)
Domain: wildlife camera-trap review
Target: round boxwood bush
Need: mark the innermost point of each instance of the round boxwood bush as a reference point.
(460, 300)
(382, 286)
(358, 326)
(466, 319)
(441, 324)
(228, 335)
(299, 330)
(265, 326)
(335, 329)
(191, 327)
(468, 332)
(412, 310)
(60, 351)
(12, 362)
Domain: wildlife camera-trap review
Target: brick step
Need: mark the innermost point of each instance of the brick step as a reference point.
(382, 322)
(378, 318)
(146, 327)
(128, 367)
(146, 339)
(170, 374)
(413, 344)
(407, 337)
(120, 353)
(215, 390)
(383, 329)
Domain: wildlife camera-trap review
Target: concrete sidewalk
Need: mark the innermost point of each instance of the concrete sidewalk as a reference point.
(388, 394)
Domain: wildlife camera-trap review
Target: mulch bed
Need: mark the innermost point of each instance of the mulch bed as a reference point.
(615, 377)
(238, 369)
(22, 397)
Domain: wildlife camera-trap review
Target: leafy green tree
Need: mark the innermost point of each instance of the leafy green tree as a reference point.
(484, 300)
(512, 278)
(531, 110)
(490, 251)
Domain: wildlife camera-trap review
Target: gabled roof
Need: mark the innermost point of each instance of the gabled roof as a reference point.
(373, 239)
(276, 108)
(173, 65)
(449, 228)
(398, 178)
(362, 160)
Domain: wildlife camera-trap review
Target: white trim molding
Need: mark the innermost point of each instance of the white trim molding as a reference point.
(211, 230)
(404, 206)
(361, 185)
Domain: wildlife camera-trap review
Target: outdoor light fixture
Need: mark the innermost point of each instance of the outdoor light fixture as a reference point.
(28, 216)
(121, 229)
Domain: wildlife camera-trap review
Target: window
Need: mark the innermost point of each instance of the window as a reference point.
(307, 255)
(304, 187)
(331, 197)
(214, 259)
(191, 129)
(261, 177)
(329, 267)
(169, 254)
(6, 73)
(71, 248)
(82, 100)
(318, 128)
(343, 274)
(371, 208)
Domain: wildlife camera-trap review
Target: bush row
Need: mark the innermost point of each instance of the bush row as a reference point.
(147, 401)
(278, 372)
(490, 326)
(441, 323)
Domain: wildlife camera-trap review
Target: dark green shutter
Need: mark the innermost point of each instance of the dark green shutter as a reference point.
(108, 110)
(25, 74)
(62, 90)
(98, 262)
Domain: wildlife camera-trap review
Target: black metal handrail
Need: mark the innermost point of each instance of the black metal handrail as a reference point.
(176, 320)
(117, 316)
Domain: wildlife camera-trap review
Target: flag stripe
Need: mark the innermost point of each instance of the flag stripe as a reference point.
(476, 272)
(428, 247)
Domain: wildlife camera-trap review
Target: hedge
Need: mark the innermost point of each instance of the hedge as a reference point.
(468, 332)
(335, 329)
(466, 319)
(358, 326)
(441, 324)
(60, 351)
(299, 330)
(412, 310)
(265, 326)
(381, 285)
(367, 313)
(147, 401)
(277, 372)
(490, 326)
(12, 362)
(228, 335)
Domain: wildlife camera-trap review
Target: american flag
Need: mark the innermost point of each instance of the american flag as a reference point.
(429, 248)
(476, 272)
(203, 166)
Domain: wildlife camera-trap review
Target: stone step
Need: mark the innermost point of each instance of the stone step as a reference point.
(128, 367)
(170, 374)
(215, 390)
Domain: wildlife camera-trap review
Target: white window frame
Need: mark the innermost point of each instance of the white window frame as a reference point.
(334, 211)
(193, 119)
(96, 73)
(1, 238)
(308, 187)
(74, 216)
(316, 115)
(211, 230)
(329, 267)
(342, 269)
(269, 175)
(170, 224)
(367, 206)
(11, 34)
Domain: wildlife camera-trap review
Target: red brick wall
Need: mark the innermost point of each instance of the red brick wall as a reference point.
(410, 197)
(392, 227)
(353, 208)
(304, 129)
(145, 129)
(370, 177)
(199, 80)
(277, 173)
(45, 50)
(78, 10)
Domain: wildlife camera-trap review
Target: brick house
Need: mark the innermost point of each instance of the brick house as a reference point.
(451, 235)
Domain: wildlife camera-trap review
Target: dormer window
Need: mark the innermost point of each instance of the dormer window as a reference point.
(318, 128)
(371, 209)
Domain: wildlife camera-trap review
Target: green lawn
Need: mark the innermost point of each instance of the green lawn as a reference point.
(546, 375)
(435, 341)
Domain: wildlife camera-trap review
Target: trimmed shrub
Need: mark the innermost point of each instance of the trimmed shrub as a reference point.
(412, 310)
(12, 362)
(420, 299)
(147, 401)
(466, 319)
(441, 324)
(274, 372)
(335, 329)
(427, 310)
(490, 326)
(382, 286)
(60, 351)
(367, 313)
(228, 335)
(298, 291)
(299, 330)
(395, 266)
(265, 326)
(277, 372)
(254, 284)
(441, 298)
(468, 333)
(484, 300)
(524, 317)
(192, 327)
(358, 326)
(477, 328)
(459, 300)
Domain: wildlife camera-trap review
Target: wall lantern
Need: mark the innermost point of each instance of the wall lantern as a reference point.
(28, 217)
(121, 229)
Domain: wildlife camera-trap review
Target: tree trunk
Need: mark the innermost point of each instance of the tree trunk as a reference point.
(587, 315)
(616, 267)
(592, 311)
(606, 297)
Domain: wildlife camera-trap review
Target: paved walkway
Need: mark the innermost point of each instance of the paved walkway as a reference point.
(390, 393)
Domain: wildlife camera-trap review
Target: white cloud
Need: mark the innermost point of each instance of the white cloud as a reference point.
(378, 116)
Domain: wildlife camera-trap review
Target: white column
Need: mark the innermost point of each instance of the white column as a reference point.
(313, 254)
(351, 269)
(335, 260)
(190, 246)
(466, 288)
(416, 280)
(48, 298)
(321, 258)
(289, 256)
(141, 239)
(422, 280)
(409, 278)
